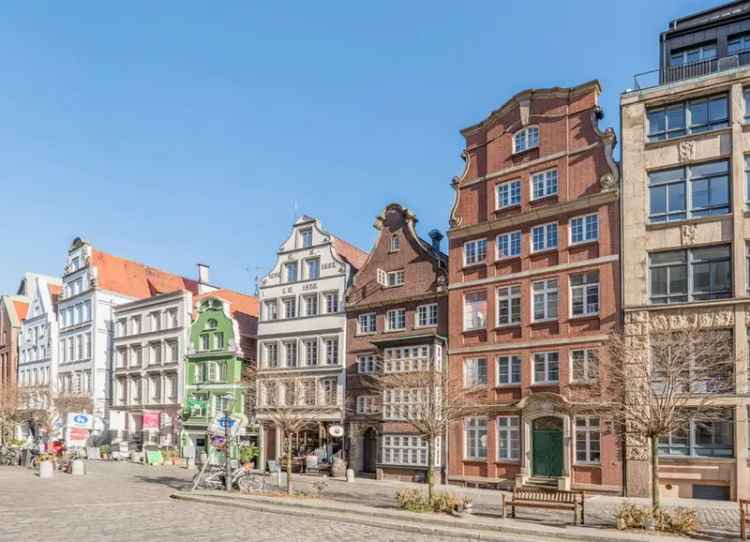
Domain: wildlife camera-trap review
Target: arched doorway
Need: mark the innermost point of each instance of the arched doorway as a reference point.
(369, 450)
(547, 446)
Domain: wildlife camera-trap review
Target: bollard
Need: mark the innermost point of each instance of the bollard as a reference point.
(79, 468)
(46, 469)
(349, 475)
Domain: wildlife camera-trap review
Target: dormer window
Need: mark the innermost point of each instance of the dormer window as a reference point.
(306, 237)
(395, 243)
(75, 263)
(526, 139)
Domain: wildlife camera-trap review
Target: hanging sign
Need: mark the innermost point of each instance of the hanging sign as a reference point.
(336, 431)
(80, 420)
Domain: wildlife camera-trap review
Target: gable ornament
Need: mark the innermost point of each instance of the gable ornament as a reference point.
(686, 151)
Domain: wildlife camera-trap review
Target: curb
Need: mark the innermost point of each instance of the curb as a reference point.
(412, 525)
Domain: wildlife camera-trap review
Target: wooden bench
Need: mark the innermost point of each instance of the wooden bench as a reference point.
(744, 518)
(545, 498)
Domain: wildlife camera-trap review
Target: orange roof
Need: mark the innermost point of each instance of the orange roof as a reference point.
(54, 289)
(355, 256)
(135, 279)
(244, 309)
(22, 309)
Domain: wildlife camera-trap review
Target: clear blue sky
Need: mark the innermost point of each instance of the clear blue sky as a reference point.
(178, 132)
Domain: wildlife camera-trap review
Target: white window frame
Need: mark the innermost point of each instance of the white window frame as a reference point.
(374, 320)
(590, 365)
(506, 295)
(284, 301)
(512, 359)
(510, 236)
(368, 404)
(547, 367)
(327, 296)
(406, 359)
(430, 313)
(307, 343)
(483, 324)
(545, 177)
(508, 431)
(327, 350)
(389, 326)
(480, 252)
(546, 238)
(270, 308)
(306, 298)
(471, 425)
(401, 450)
(394, 243)
(586, 288)
(303, 233)
(267, 346)
(513, 188)
(396, 278)
(367, 364)
(584, 228)
(287, 345)
(547, 294)
(587, 430)
(473, 372)
(529, 142)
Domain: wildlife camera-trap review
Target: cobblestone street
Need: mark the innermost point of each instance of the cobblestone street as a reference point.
(123, 502)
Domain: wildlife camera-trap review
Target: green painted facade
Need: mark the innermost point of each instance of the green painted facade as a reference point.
(213, 369)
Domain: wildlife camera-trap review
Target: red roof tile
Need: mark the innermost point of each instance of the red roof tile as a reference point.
(22, 309)
(135, 279)
(355, 256)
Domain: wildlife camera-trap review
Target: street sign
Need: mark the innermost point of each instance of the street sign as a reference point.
(80, 420)
(76, 437)
(220, 425)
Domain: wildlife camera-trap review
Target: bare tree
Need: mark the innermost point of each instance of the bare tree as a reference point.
(40, 406)
(657, 384)
(10, 402)
(436, 401)
(285, 406)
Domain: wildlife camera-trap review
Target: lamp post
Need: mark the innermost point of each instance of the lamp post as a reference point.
(228, 401)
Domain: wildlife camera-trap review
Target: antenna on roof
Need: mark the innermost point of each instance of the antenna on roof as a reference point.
(255, 278)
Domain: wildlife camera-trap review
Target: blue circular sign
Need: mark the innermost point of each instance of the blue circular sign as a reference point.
(81, 419)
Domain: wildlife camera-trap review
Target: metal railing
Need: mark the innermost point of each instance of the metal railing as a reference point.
(673, 74)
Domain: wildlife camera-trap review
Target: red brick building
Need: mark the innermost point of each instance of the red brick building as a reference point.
(534, 291)
(397, 320)
(13, 311)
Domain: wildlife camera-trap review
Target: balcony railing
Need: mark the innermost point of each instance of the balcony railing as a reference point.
(674, 74)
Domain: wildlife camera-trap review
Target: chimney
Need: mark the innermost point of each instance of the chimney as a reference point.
(202, 273)
(436, 237)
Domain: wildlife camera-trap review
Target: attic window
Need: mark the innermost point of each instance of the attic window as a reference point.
(395, 243)
(526, 139)
(212, 324)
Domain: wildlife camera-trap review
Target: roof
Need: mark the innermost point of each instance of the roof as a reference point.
(244, 309)
(355, 256)
(21, 308)
(54, 294)
(135, 279)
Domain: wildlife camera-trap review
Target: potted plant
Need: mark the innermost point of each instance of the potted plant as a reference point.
(248, 455)
(105, 451)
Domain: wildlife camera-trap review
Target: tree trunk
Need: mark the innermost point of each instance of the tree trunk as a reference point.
(288, 464)
(430, 461)
(654, 473)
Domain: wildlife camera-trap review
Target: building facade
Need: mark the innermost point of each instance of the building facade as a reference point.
(13, 309)
(302, 334)
(150, 343)
(397, 320)
(534, 291)
(38, 340)
(686, 167)
(221, 354)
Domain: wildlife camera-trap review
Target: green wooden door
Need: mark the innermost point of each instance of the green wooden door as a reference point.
(548, 452)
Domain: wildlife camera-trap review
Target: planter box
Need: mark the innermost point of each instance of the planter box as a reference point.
(46, 469)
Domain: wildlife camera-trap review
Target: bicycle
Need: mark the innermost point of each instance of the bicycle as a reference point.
(10, 456)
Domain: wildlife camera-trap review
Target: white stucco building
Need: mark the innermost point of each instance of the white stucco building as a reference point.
(302, 334)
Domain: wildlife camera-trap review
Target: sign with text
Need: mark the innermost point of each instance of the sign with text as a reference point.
(76, 437)
(80, 420)
(150, 420)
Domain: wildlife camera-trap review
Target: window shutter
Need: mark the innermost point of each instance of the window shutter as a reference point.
(382, 277)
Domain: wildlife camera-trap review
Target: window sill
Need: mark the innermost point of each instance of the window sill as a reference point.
(475, 460)
(508, 326)
(507, 207)
(524, 151)
(474, 330)
(399, 330)
(368, 334)
(508, 386)
(426, 326)
(576, 318)
(543, 251)
(687, 137)
(507, 461)
(544, 384)
(586, 464)
(697, 220)
(542, 199)
(545, 321)
(504, 259)
(469, 266)
(584, 243)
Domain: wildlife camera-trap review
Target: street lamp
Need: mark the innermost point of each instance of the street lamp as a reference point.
(228, 401)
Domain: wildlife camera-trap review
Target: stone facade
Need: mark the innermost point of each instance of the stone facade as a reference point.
(534, 290)
(402, 273)
(690, 231)
(302, 334)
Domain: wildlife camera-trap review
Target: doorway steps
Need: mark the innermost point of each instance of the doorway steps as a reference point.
(541, 482)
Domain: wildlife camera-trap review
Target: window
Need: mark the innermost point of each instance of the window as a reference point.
(689, 192)
(136, 356)
(155, 389)
(366, 323)
(122, 357)
(154, 321)
(271, 309)
(508, 305)
(475, 310)
(332, 350)
(290, 272)
(309, 393)
(508, 245)
(401, 404)
(173, 351)
(701, 438)
(546, 368)
(272, 355)
(406, 359)
(737, 44)
(395, 278)
(332, 302)
(508, 438)
(311, 352)
(135, 325)
(475, 251)
(545, 300)
(172, 318)
(588, 448)
(382, 277)
(312, 269)
(543, 237)
(211, 324)
(218, 340)
(88, 345)
(366, 364)
(396, 319)
(330, 391)
(290, 307)
(290, 353)
(525, 139)
(155, 353)
(205, 342)
(584, 229)
(509, 194)
(367, 404)
(544, 184)
(213, 373)
(306, 237)
(427, 315)
(693, 55)
(584, 293)
(394, 243)
(311, 304)
(121, 327)
(475, 438)
(584, 366)
(475, 372)
(679, 276)
(407, 450)
(684, 118)
(508, 370)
